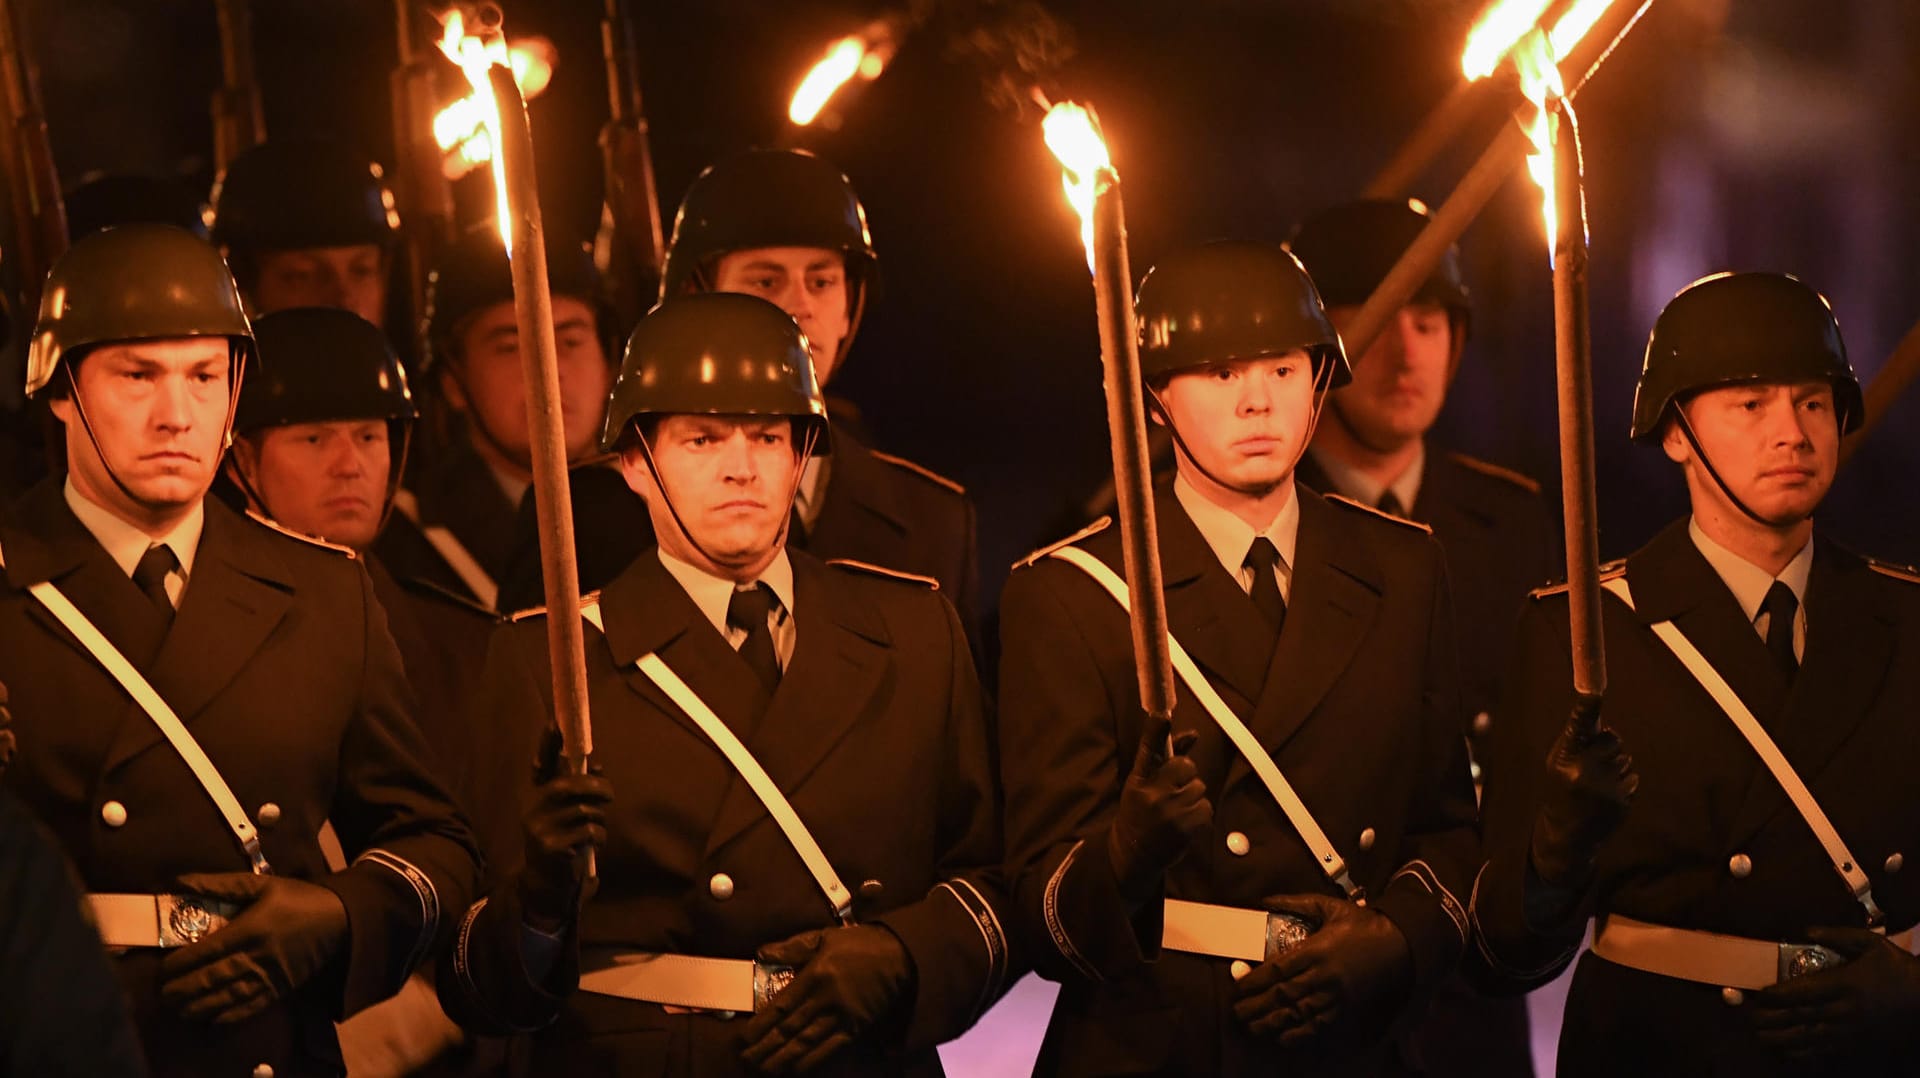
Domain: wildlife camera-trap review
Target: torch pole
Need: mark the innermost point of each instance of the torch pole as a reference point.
(1468, 100)
(533, 304)
(1132, 468)
(1896, 375)
(1573, 369)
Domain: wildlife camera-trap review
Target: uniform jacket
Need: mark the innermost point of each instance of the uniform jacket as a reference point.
(280, 664)
(1846, 723)
(876, 736)
(1358, 705)
(460, 493)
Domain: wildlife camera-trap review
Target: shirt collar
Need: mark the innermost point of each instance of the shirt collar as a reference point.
(125, 543)
(1229, 536)
(1362, 487)
(712, 594)
(1748, 582)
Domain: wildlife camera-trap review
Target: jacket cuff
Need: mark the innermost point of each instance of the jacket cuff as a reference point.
(1433, 920)
(393, 917)
(1088, 922)
(961, 959)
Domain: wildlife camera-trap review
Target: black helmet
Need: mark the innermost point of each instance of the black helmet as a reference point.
(1743, 327)
(474, 274)
(715, 353)
(1349, 249)
(1233, 299)
(135, 282)
(294, 193)
(106, 199)
(319, 364)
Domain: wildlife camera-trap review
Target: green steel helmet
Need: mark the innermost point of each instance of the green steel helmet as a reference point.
(715, 353)
(475, 274)
(135, 282)
(320, 364)
(768, 198)
(1233, 299)
(1743, 327)
(288, 194)
(1350, 248)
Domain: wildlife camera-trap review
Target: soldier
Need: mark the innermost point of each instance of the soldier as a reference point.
(1496, 531)
(1767, 683)
(307, 223)
(852, 686)
(1324, 632)
(203, 700)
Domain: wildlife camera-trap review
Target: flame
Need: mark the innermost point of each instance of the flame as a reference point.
(1574, 24)
(460, 128)
(475, 55)
(1533, 59)
(864, 54)
(1073, 134)
(1506, 23)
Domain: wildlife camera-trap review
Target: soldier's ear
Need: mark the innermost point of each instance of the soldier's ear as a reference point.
(1673, 441)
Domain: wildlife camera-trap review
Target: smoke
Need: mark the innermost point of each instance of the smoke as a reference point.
(1014, 47)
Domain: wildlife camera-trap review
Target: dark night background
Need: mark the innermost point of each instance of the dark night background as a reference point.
(1768, 134)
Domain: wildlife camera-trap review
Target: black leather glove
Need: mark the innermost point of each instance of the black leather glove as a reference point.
(1350, 975)
(1869, 1004)
(849, 981)
(1162, 806)
(287, 933)
(568, 816)
(1590, 782)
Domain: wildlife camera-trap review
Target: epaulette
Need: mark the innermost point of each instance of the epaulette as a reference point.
(919, 470)
(422, 586)
(586, 600)
(1608, 571)
(273, 525)
(1342, 499)
(881, 570)
(1899, 572)
(1519, 479)
(1094, 528)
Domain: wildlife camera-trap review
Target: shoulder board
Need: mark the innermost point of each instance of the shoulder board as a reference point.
(881, 570)
(1519, 479)
(1608, 571)
(1899, 572)
(1342, 499)
(273, 525)
(540, 611)
(922, 472)
(422, 586)
(1094, 528)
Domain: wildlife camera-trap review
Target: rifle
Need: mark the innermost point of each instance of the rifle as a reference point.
(39, 218)
(631, 244)
(237, 123)
(424, 196)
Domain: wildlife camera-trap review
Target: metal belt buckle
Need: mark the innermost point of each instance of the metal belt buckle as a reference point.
(768, 982)
(186, 919)
(1800, 959)
(1285, 931)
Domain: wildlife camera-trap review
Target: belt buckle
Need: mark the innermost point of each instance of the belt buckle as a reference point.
(187, 919)
(1285, 931)
(768, 982)
(1800, 959)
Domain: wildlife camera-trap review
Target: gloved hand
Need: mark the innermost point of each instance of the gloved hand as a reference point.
(1354, 968)
(1162, 806)
(288, 931)
(1590, 782)
(568, 816)
(849, 980)
(1870, 1004)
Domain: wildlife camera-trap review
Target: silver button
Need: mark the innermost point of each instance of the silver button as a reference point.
(1894, 863)
(1732, 997)
(113, 814)
(1366, 839)
(1482, 723)
(1239, 969)
(720, 886)
(269, 814)
(1238, 844)
(1740, 865)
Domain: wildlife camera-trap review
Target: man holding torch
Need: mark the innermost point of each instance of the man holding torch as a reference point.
(1744, 865)
(1294, 876)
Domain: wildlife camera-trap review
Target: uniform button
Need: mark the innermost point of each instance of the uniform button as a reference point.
(269, 814)
(264, 1070)
(113, 814)
(1732, 997)
(1237, 843)
(1740, 865)
(1473, 771)
(1366, 839)
(1239, 969)
(1894, 862)
(1482, 723)
(720, 886)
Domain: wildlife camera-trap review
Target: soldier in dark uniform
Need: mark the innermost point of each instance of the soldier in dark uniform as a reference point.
(852, 686)
(307, 223)
(266, 651)
(1326, 629)
(1496, 531)
(1708, 880)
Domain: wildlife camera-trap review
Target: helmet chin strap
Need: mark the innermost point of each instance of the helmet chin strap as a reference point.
(1322, 387)
(1686, 429)
(786, 517)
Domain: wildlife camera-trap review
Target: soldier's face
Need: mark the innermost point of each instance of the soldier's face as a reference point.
(1400, 382)
(158, 410)
(1776, 444)
(809, 283)
(731, 481)
(328, 480)
(353, 278)
(1243, 421)
(491, 385)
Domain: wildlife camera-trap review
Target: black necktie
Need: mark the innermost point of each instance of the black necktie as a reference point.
(1263, 558)
(1391, 505)
(751, 610)
(1780, 607)
(150, 576)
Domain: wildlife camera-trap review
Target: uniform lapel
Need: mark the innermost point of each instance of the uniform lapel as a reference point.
(1206, 610)
(857, 497)
(47, 543)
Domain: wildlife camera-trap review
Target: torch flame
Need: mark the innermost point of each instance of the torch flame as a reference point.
(460, 128)
(476, 55)
(864, 54)
(1539, 74)
(1073, 134)
(1506, 23)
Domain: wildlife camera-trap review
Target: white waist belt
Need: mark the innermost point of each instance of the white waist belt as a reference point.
(1710, 958)
(677, 980)
(157, 920)
(1228, 931)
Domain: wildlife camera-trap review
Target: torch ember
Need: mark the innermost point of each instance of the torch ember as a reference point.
(864, 54)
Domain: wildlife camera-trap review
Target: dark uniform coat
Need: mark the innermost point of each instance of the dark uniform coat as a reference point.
(1358, 704)
(876, 736)
(457, 492)
(1847, 723)
(280, 664)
